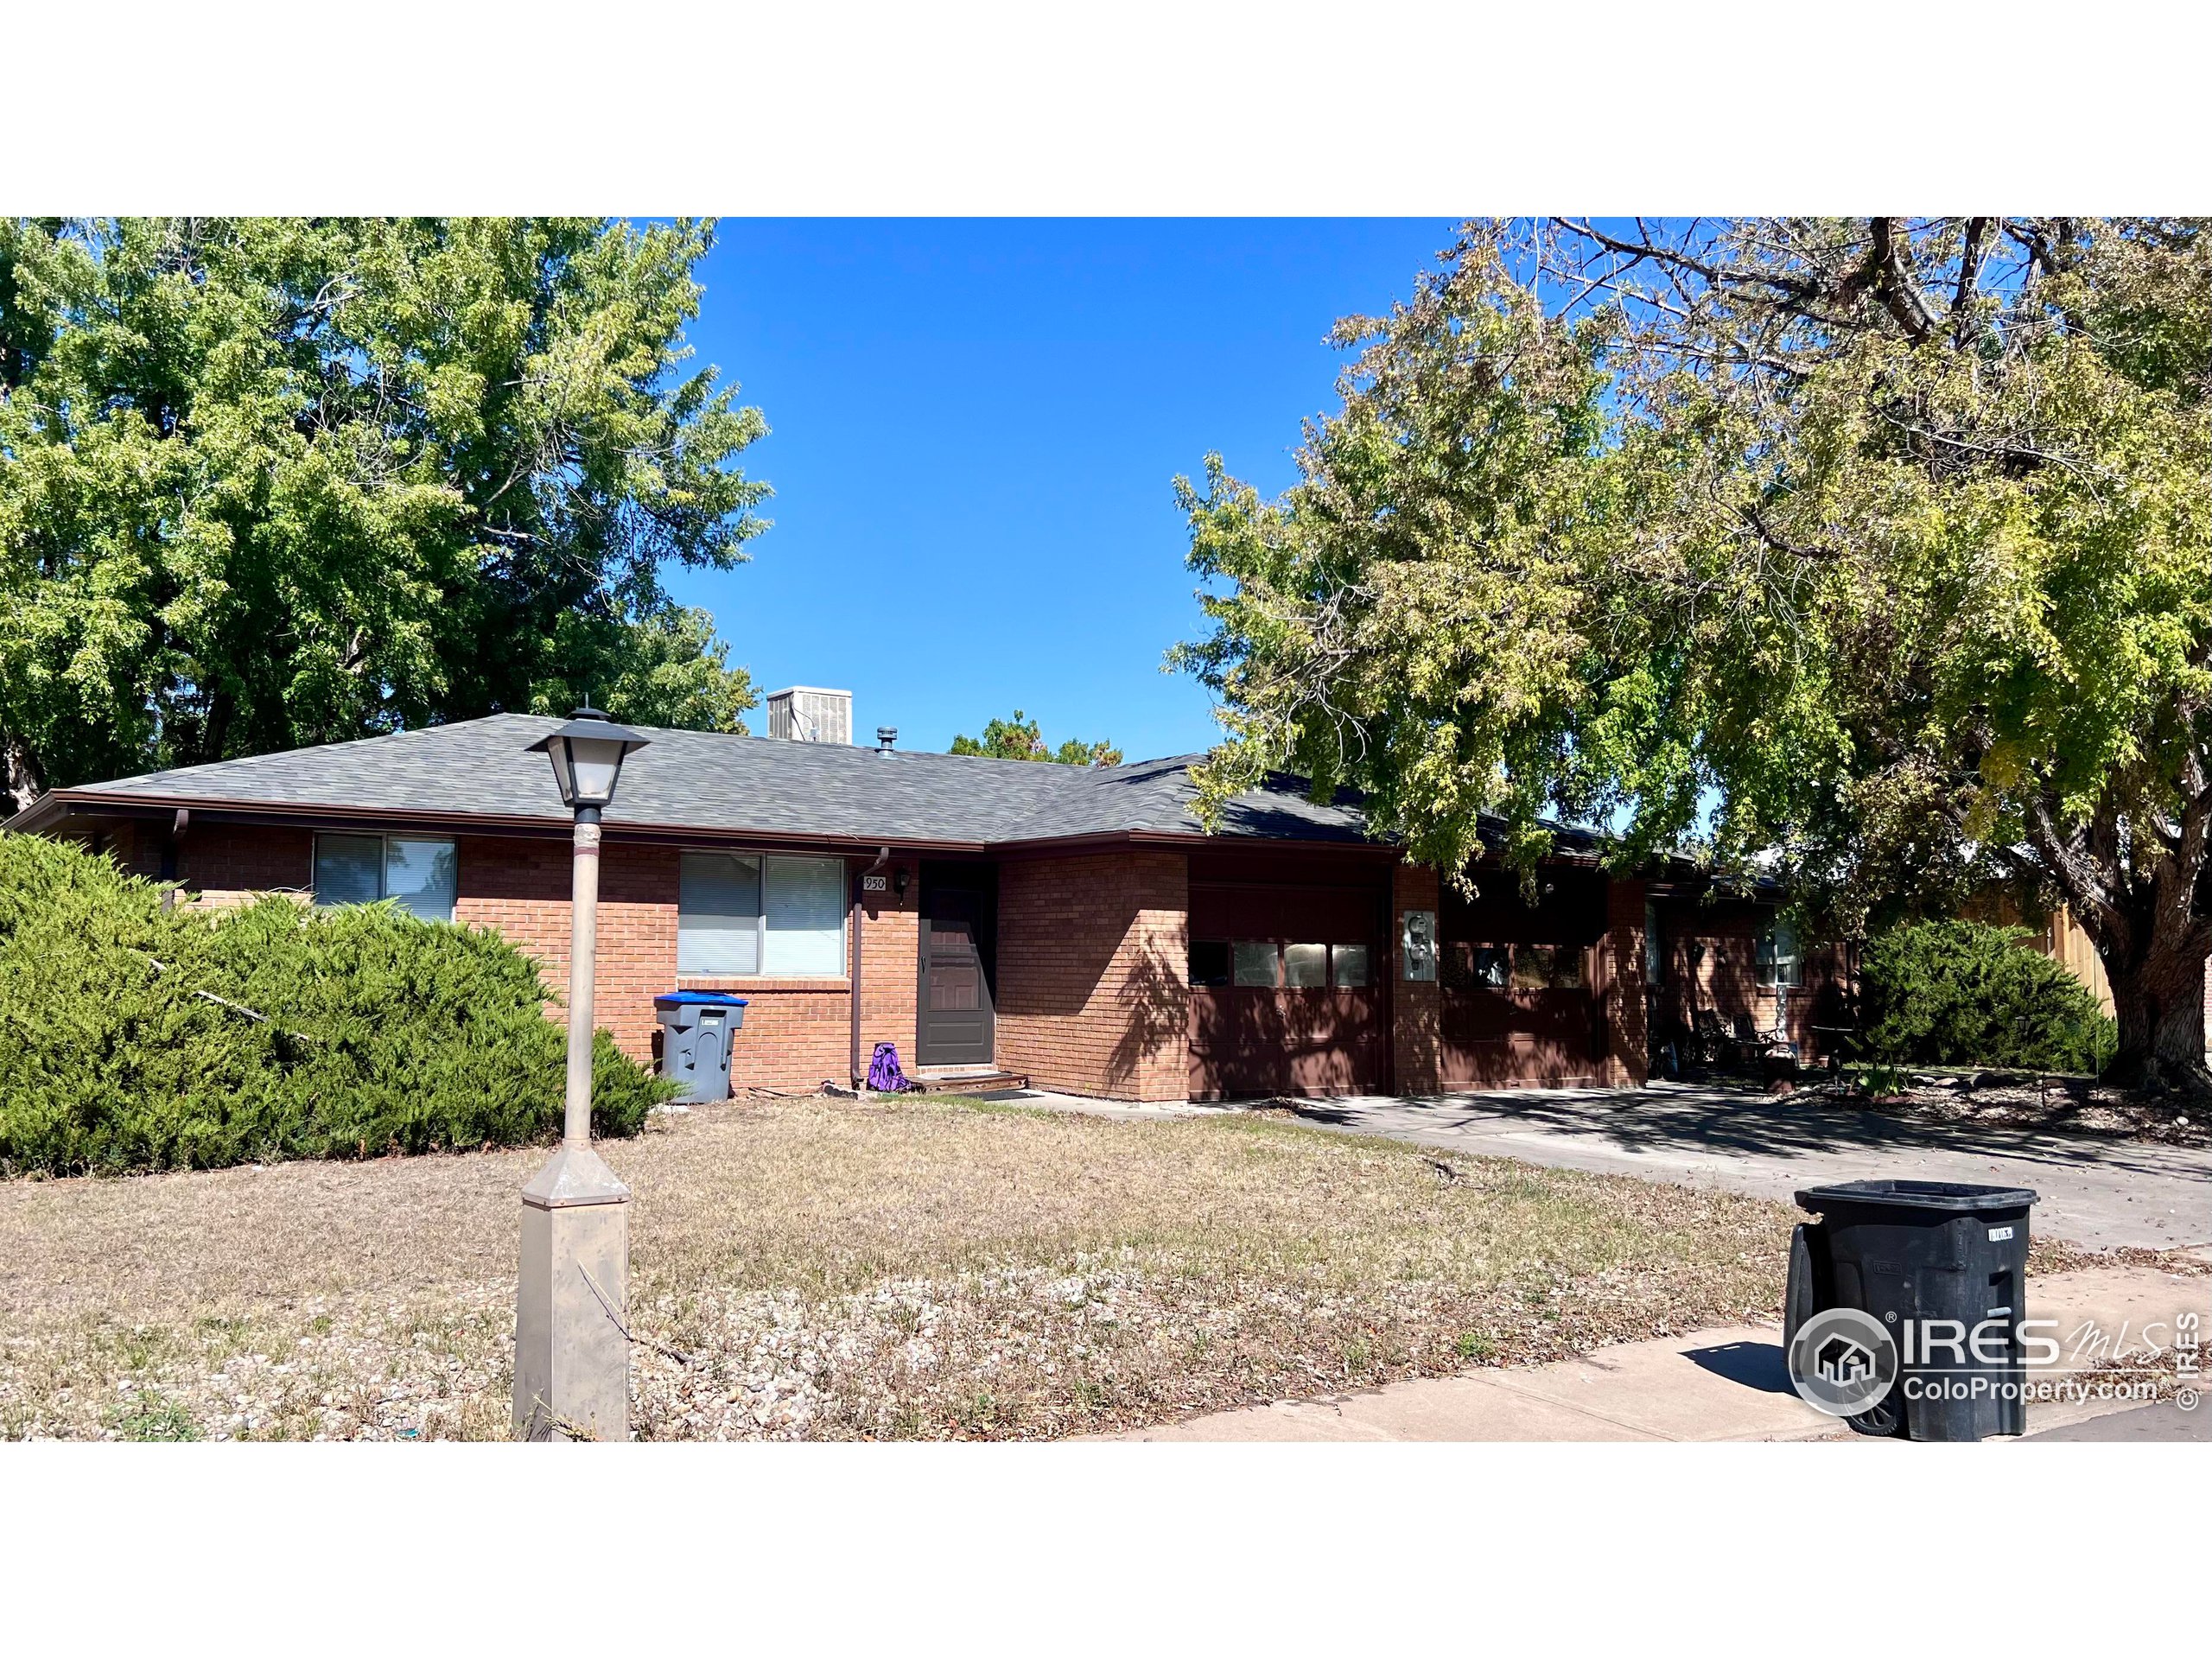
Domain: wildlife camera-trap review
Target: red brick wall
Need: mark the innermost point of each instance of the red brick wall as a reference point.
(225, 864)
(135, 844)
(798, 1032)
(520, 887)
(890, 964)
(1416, 1007)
(1092, 966)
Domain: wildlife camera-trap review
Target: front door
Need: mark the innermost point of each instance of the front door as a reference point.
(955, 1020)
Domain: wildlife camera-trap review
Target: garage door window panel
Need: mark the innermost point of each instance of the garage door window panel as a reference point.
(1209, 964)
(1256, 964)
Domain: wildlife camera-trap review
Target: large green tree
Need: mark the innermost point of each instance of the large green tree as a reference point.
(1878, 549)
(1023, 738)
(273, 481)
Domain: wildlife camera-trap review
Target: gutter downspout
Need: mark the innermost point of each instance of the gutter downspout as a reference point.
(882, 858)
(178, 825)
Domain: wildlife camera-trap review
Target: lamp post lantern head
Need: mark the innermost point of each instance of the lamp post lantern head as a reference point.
(587, 755)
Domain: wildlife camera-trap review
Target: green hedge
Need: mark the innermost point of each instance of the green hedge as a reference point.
(1966, 993)
(383, 1034)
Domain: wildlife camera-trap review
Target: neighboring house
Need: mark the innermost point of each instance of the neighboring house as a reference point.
(2052, 932)
(2057, 933)
(1070, 925)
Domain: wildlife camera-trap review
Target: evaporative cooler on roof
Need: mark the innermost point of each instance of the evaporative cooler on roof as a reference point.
(810, 714)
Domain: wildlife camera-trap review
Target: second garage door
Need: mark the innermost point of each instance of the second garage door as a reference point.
(1287, 987)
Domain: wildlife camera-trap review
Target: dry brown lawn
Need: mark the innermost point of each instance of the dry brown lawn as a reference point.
(834, 1270)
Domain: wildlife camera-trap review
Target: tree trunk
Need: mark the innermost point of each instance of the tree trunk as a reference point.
(20, 782)
(2159, 1004)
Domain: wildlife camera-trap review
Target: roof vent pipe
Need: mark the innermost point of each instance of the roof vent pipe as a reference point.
(886, 738)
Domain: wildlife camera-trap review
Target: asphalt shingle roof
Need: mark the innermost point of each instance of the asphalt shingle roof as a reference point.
(767, 786)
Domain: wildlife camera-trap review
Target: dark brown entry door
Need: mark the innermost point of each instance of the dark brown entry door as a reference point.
(955, 1025)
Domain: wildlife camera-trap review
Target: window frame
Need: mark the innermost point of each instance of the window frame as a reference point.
(762, 968)
(1768, 961)
(384, 840)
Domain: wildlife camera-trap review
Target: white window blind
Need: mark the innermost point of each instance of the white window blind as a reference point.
(806, 917)
(420, 875)
(739, 916)
(718, 915)
(348, 869)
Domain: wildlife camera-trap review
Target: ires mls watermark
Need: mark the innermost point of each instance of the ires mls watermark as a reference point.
(1843, 1362)
(1846, 1362)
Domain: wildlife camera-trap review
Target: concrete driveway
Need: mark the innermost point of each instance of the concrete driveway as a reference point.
(2095, 1192)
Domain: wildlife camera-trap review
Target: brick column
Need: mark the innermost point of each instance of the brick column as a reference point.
(890, 944)
(1620, 971)
(1416, 1007)
(1093, 996)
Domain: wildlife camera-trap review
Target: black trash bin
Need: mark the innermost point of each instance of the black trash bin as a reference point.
(697, 1031)
(1937, 1263)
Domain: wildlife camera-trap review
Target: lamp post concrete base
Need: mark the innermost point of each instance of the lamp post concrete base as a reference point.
(572, 1347)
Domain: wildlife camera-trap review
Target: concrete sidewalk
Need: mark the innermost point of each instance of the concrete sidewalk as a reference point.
(1725, 1384)
(2102, 1193)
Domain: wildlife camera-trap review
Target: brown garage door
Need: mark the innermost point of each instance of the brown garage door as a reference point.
(1287, 992)
(1518, 1003)
(1492, 1039)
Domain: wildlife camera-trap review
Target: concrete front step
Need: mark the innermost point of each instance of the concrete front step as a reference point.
(963, 1081)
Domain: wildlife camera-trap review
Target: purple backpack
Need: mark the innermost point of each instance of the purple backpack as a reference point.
(884, 1075)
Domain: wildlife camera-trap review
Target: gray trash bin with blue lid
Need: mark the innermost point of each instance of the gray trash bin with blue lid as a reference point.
(697, 1030)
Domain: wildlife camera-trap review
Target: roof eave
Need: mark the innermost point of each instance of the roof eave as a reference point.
(58, 805)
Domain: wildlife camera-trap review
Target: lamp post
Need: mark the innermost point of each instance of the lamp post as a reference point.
(572, 1348)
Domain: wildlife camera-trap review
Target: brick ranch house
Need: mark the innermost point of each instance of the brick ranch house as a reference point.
(1074, 927)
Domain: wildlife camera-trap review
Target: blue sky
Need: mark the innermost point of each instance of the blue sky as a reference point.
(975, 425)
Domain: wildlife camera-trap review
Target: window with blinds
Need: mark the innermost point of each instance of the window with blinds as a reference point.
(740, 914)
(421, 876)
(804, 916)
(718, 915)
